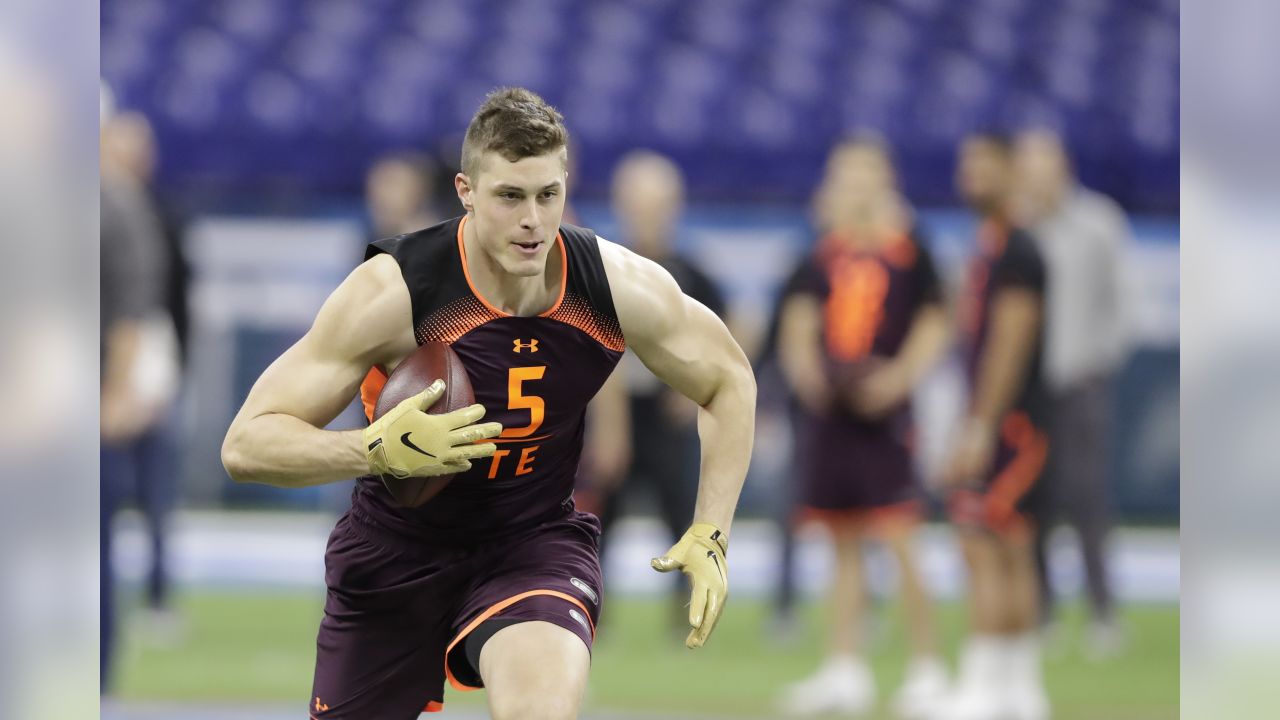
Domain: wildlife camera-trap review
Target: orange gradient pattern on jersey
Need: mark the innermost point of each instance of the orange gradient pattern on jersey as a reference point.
(855, 307)
(576, 311)
(453, 321)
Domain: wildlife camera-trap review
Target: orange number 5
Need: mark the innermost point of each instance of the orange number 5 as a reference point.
(517, 400)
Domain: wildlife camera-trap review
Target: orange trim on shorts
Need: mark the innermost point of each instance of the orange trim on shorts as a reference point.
(907, 512)
(1031, 450)
(433, 706)
(996, 508)
(494, 610)
(371, 388)
(564, 274)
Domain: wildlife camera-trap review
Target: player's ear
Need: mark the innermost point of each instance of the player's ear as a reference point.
(462, 184)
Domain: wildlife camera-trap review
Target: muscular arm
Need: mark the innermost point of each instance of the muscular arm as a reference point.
(277, 437)
(686, 346)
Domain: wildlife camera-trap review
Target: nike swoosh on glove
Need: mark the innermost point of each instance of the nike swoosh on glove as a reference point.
(702, 555)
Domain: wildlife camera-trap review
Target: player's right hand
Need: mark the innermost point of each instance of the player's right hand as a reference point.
(409, 442)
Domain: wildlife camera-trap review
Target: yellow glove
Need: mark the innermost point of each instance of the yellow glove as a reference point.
(407, 442)
(702, 555)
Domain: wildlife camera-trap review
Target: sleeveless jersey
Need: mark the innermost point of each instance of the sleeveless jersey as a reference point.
(1007, 258)
(869, 298)
(535, 375)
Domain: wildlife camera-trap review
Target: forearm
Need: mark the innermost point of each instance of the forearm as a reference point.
(726, 429)
(1004, 366)
(799, 351)
(122, 343)
(925, 343)
(281, 450)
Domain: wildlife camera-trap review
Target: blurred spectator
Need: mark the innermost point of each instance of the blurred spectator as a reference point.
(399, 191)
(648, 197)
(151, 462)
(861, 326)
(999, 449)
(1081, 235)
(139, 366)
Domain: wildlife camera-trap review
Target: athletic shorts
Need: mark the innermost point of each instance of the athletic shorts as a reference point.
(856, 471)
(1001, 503)
(400, 618)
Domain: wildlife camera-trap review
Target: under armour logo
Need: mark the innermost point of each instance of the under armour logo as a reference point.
(531, 346)
(321, 707)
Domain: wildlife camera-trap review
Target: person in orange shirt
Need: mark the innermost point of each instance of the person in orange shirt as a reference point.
(863, 322)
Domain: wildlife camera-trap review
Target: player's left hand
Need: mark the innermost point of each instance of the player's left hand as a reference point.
(702, 555)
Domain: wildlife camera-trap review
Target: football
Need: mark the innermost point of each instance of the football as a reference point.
(431, 361)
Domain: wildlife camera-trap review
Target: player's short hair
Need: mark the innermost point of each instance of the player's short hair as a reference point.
(516, 123)
(996, 138)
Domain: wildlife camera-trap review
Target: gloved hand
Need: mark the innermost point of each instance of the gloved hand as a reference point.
(702, 555)
(408, 442)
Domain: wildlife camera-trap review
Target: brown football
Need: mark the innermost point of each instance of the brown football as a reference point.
(431, 361)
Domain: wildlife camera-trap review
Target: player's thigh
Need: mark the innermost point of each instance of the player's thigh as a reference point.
(900, 539)
(983, 554)
(534, 671)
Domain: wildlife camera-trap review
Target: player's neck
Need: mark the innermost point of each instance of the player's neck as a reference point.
(522, 296)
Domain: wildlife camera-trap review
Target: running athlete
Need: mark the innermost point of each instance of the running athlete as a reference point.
(495, 582)
(1000, 450)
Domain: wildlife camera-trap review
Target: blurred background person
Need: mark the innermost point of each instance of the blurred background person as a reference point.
(999, 449)
(1081, 235)
(647, 199)
(859, 330)
(399, 194)
(129, 141)
(138, 366)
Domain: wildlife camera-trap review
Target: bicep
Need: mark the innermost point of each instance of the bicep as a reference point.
(308, 381)
(691, 351)
(365, 322)
(1015, 316)
(679, 339)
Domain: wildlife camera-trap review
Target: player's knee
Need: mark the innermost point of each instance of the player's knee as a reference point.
(543, 706)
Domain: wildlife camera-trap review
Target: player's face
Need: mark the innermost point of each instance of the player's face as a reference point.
(516, 208)
(647, 199)
(982, 173)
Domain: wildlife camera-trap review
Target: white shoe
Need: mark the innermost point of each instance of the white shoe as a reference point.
(1105, 640)
(1026, 702)
(923, 689)
(979, 692)
(1026, 698)
(972, 704)
(842, 685)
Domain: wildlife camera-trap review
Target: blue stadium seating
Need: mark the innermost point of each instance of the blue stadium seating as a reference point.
(746, 94)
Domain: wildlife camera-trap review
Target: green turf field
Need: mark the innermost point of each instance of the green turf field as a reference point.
(256, 647)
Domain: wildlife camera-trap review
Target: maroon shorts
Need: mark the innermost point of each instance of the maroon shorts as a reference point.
(857, 471)
(1000, 503)
(399, 614)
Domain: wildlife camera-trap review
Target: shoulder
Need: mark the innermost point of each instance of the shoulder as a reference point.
(644, 293)
(420, 243)
(626, 270)
(1021, 262)
(372, 291)
(1100, 210)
